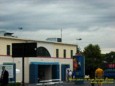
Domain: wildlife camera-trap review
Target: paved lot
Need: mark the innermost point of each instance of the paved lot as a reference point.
(73, 84)
(86, 84)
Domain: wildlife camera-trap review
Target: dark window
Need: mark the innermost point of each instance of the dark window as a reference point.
(57, 53)
(41, 51)
(8, 49)
(64, 53)
(71, 53)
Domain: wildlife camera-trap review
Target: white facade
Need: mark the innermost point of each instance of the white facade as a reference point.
(50, 46)
(18, 61)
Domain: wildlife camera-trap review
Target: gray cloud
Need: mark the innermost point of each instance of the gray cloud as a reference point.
(75, 16)
(48, 14)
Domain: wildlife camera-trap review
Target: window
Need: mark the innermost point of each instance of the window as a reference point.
(8, 49)
(57, 53)
(64, 53)
(71, 53)
(41, 51)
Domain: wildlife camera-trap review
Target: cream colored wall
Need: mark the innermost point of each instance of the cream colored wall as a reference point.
(61, 48)
(18, 62)
(4, 42)
(49, 46)
(52, 49)
(26, 72)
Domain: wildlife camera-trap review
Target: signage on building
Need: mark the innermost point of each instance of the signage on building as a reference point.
(24, 49)
(111, 65)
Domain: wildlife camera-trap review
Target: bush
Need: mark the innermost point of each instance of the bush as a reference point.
(14, 84)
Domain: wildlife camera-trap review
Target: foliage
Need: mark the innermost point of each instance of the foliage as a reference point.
(14, 84)
(93, 57)
(110, 57)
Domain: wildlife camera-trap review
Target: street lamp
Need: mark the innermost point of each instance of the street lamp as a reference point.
(78, 48)
(79, 39)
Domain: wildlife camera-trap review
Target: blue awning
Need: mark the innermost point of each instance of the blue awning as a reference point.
(45, 63)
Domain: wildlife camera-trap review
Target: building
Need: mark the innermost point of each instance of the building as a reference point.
(51, 62)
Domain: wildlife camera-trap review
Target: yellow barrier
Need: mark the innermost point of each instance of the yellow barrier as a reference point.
(93, 80)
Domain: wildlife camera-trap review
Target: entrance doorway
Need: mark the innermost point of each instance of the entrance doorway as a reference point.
(43, 71)
(63, 71)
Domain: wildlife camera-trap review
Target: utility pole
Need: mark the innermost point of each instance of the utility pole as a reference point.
(61, 34)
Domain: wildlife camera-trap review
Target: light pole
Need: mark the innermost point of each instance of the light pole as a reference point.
(79, 39)
(78, 48)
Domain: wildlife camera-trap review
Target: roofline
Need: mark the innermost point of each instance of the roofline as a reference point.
(15, 38)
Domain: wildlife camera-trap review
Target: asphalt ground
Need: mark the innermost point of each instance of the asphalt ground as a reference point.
(86, 83)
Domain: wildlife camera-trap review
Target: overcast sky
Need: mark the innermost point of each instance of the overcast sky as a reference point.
(91, 20)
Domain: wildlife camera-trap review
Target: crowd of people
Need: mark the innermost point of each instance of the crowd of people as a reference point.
(94, 73)
(70, 75)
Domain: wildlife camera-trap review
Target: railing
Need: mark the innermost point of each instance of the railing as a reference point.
(51, 82)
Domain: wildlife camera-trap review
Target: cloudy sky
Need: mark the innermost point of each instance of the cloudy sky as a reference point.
(91, 20)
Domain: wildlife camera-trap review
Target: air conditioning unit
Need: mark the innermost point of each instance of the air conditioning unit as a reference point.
(54, 39)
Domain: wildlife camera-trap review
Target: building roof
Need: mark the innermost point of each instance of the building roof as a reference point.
(30, 40)
(4, 33)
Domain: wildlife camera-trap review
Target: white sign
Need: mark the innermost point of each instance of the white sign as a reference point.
(9, 68)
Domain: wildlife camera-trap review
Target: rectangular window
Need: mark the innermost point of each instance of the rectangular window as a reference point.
(8, 49)
(64, 53)
(57, 53)
(71, 53)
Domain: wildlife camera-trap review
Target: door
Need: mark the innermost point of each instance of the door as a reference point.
(55, 71)
(63, 71)
(33, 73)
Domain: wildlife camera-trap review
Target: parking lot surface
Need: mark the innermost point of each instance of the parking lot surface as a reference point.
(86, 83)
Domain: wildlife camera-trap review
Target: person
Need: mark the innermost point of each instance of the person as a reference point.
(4, 77)
(70, 75)
(92, 74)
(73, 74)
(99, 75)
(67, 74)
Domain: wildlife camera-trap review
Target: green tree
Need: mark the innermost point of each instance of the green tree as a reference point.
(93, 56)
(107, 59)
(110, 57)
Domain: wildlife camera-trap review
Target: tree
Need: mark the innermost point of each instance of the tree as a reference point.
(110, 57)
(92, 55)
